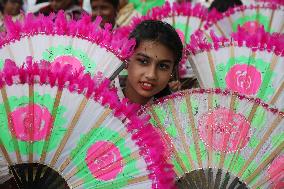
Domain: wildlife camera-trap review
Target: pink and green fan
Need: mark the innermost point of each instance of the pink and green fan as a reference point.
(219, 139)
(54, 38)
(248, 64)
(64, 130)
(249, 17)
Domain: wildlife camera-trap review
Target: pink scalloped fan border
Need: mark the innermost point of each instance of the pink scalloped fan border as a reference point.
(58, 24)
(259, 41)
(218, 91)
(97, 88)
(214, 16)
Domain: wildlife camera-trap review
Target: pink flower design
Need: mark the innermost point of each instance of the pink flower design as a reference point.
(224, 130)
(33, 118)
(104, 160)
(276, 172)
(251, 27)
(66, 59)
(244, 79)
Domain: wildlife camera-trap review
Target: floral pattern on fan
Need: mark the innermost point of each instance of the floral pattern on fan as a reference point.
(21, 122)
(275, 170)
(106, 157)
(107, 166)
(245, 75)
(252, 23)
(222, 129)
(67, 54)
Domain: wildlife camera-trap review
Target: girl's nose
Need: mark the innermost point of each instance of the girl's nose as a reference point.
(151, 73)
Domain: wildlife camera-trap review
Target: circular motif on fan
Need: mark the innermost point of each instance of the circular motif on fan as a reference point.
(68, 55)
(244, 79)
(21, 118)
(247, 76)
(106, 158)
(275, 170)
(143, 6)
(223, 129)
(252, 23)
(107, 166)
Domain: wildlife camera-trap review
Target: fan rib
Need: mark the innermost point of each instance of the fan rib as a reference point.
(186, 29)
(173, 149)
(211, 64)
(53, 113)
(220, 29)
(277, 94)
(265, 162)
(230, 20)
(69, 131)
(96, 125)
(181, 134)
(194, 132)
(282, 28)
(210, 133)
(274, 124)
(31, 114)
(5, 153)
(270, 20)
(10, 123)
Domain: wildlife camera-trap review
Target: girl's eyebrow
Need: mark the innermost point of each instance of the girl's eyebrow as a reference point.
(144, 55)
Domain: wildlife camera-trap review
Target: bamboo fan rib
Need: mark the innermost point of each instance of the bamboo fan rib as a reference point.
(220, 139)
(249, 17)
(63, 131)
(246, 65)
(81, 43)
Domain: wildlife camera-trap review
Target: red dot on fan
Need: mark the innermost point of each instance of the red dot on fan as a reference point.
(31, 122)
(224, 130)
(104, 160)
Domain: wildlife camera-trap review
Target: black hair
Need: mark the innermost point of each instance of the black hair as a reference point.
(164, 33)
(223, 6)
(114, 3)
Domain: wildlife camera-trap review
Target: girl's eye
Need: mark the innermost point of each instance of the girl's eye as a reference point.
(164, 66)
(142, 61)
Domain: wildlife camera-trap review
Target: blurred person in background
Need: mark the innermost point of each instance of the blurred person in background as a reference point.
(11, 8)
(126, 13)
(107, 9)
(223, 6)
(72, 8)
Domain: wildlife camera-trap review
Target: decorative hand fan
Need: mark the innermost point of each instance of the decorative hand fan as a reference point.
(142, 6)
(221, 139)
(269, 16)
(248, 64)
(64, 131)
(53, 38)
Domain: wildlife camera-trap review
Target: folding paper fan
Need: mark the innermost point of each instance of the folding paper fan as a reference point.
(142, 6)
(250, 17)
(248, 64)
(220, 139)
(60, 130)
(53, 38)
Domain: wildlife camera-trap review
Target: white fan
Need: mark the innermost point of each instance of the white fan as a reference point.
(53, 38)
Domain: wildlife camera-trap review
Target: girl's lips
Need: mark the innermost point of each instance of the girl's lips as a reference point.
(146, 86)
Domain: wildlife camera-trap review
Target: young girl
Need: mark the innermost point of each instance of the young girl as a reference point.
(155, 61)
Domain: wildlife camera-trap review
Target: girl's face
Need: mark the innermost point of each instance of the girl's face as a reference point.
(105, 10)
(149, 71)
